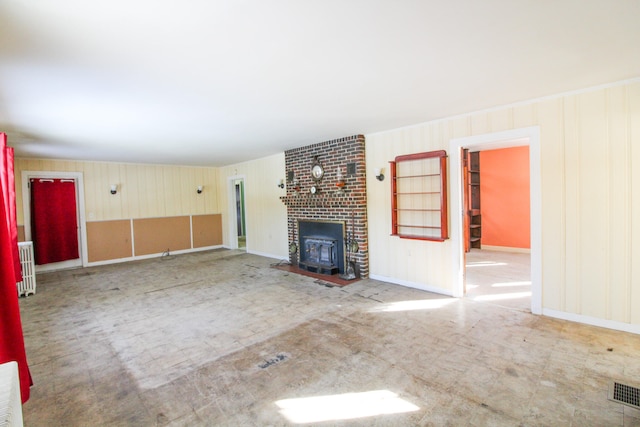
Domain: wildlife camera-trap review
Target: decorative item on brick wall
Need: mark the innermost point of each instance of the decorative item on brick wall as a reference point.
(295, 187)
(340, 181)
(317, 170)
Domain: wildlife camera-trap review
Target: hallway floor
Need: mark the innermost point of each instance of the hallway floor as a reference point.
(221, 339)
(501, 278)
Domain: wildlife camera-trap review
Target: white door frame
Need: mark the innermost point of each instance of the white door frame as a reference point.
(26, 213)
(233, 221)
(524, 136)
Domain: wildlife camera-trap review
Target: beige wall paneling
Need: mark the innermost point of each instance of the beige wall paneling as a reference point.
(109, 240)
(619, 208)
(633, 103)
(112, 202)
(189, 197)
(210, 178)
(551, 118)
(131, 191)
(459, 127)
(524, 115)
(170, 193)
(92, 194)
(207, 230)
(572, 203)
(593, 205)
(500, 120)
(480, 123)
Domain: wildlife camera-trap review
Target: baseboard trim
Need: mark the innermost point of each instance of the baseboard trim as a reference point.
(593, 321)
(414, 285)
(149, 256)
(267, 255)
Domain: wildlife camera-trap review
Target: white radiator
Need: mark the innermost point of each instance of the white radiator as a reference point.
(28, 284)
(10, 403)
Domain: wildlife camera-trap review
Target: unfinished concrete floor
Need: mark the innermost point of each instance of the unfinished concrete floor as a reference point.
(220, 338)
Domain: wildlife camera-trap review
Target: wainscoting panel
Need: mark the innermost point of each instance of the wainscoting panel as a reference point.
(207, 230)
(109, 240)
(156, 235)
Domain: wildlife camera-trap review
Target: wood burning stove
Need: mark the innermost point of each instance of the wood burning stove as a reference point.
(321, 246)
(321, 254)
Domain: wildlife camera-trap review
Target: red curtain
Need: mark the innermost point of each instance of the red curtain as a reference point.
(7, 182)
(11, 338)
(54, 223)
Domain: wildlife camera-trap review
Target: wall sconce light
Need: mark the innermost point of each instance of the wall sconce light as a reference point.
(199, 189)
(114, 188)
(280, 183)
(379, 175)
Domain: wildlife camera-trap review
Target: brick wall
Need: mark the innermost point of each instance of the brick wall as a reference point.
(350, 206)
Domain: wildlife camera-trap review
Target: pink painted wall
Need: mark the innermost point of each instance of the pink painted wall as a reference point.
(504, 197)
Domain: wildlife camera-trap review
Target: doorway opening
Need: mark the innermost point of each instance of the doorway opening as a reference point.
(497, 240)
(53, 206)
(237, 213)
(518, 137)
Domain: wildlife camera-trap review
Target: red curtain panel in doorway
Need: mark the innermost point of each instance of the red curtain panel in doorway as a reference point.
(54, 223)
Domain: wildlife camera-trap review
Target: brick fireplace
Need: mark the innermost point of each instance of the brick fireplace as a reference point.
(343, 161)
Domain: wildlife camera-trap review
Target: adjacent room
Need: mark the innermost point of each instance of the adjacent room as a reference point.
(320, 213)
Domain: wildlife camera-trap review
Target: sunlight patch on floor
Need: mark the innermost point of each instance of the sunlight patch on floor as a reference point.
(485, 264)
(422, 304)
(500, 297)
(510, 284)
(346, 406)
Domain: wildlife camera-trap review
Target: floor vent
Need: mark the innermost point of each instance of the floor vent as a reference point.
(624, 394)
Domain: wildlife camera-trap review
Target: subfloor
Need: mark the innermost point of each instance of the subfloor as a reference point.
(221, 339)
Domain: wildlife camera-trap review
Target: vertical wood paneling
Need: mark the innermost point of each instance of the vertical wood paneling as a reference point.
(480, 123)
(523, 116)
(134, 191)
(501, 120)
(554, 218)
(144, 191)
(593, 204)
(460, 127)
(634, 196)
(572, 201)
(619, 205)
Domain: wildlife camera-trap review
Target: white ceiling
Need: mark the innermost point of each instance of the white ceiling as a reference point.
(212, 82)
